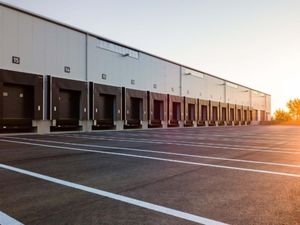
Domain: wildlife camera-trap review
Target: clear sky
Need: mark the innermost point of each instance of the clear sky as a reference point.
(252, 42)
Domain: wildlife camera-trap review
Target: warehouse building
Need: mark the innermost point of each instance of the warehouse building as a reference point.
(54, 77)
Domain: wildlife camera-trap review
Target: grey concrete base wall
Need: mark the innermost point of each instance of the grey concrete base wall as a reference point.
(119, 125)
(144, 124)
(43, 126)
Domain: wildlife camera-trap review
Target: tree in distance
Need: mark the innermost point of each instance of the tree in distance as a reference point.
(281, 115)
(294, 108)
(293, 113)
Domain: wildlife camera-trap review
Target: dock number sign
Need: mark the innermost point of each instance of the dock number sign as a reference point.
(16, 60)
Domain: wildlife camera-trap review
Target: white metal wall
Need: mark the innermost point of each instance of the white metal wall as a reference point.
(46, 48)
(148, 73)
(43, 47)
(193, 84)
(239, 95)
(258, 100)
(203, 86)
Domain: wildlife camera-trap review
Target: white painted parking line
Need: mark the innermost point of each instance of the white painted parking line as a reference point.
(206, 145)
(197, 134)
(159, 152)
(7, 220)
(158, 159)
(118, 197)
(194, 135)
(208, 136)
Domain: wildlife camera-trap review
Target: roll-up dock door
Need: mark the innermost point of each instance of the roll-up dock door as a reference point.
(245, 116)
(157, 109)
(214, 113)
(231, 114)
(262, 115)
(67, 103)
(239, 116)
(203, 112)
(108, 107)
(175, 110)
(135, 107)
(223, 114)
(21, 101)
(105, 105)
(190, 111)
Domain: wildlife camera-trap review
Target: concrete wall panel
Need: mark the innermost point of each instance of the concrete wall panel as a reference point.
(43, 47)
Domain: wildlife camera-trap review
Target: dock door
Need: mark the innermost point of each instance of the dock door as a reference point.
(214, 113)
(69, 107)
(231, 114)
(67, 103)
(135, 107)
(105, 105)
(175, 111)
(21, 101)
(190, 107)
(203, 110)
(157, 109)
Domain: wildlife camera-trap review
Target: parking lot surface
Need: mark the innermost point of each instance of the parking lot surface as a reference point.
(206, 175)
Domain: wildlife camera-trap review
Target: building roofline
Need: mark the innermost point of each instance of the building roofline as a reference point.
(37, 15)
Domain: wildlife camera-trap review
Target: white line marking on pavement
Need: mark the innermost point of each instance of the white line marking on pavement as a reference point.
(207, 145)
(159, 159)
(122, 198)
(160, 152)
(7, 220)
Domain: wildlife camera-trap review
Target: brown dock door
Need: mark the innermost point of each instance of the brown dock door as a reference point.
(224, 114)
(105, 105)
(135, 107)
(67, 103)
(190, 111)
(214, 113)
(204, 116)
(21, 101)
(175, 110)
(157, 109)
(231, 112)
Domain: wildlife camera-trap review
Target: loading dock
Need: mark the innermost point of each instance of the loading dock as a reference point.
(262, 115)
(214, 108)
(239, 115)
(250, 115)
(157, 109)
(134, 108)
(232, 115)
(246, 115)
(21, 101)
(105, 106)
(254, 115)
(175, 110)
(223, 114)
(203, 112)
(67, 103)
(190, 111)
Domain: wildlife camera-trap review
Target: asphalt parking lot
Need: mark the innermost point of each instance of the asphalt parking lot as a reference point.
(214, 175)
